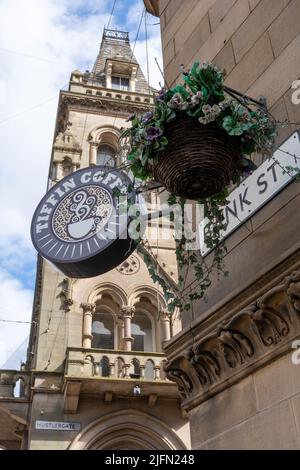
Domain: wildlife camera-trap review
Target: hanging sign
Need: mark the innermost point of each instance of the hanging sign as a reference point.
(79, 225)
(262, 185)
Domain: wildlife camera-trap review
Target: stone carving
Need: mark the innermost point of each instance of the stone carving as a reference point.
(184, 383)
(130, 266)
(102, 104)
(251, 336)
(235, 346)
(88, 307)
(207, 367)
(66, 294)
(292, 284)
(270, 325)
(127, 311)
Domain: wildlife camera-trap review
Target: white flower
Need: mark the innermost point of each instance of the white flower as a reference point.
(216, 110)
(177, 102)
(206, 109)
(195, 99)
(203, 120)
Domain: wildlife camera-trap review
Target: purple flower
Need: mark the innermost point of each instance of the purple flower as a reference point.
(147, 116)
(160, 95)
(153, 132)
(247, 172)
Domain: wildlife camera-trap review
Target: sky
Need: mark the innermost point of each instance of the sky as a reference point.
(41, 42)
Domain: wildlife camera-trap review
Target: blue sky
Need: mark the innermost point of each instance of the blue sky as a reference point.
(42, 41)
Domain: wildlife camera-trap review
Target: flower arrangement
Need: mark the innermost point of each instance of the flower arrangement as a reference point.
(203, 96)
(239, 120)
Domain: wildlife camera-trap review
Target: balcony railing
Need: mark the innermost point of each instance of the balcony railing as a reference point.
(148, 366)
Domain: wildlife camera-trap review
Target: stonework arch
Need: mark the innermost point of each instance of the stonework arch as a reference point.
(103, 135)
(115, 291)
(152, 294)
(97, 134)
(127, 430)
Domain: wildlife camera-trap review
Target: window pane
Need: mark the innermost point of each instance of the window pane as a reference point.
(106, 155)
(125, 84)
(141, 331)
(120, 83)
(116, 83)
(103, 331)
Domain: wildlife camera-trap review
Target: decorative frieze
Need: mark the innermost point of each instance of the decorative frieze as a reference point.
(103, 105)
(238, 346)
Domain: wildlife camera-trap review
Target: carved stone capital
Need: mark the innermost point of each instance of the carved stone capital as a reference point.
(164, 314)
(88, 307)
(127, 311)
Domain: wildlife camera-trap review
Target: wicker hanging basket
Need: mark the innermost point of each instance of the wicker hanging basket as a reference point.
(199, 160)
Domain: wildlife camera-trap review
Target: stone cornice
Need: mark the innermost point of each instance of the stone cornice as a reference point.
(92, 104)
(236, 347)
(102, 104)
(208, 320)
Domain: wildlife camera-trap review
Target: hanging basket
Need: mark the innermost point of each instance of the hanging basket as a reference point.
(199, 160)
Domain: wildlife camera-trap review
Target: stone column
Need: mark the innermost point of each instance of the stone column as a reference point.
(142, 371)
(156, 372)
(127, 314)
(165, 324)
(59, 171)
(121, 331)
(111, 369)
(88, 310)
(93, 153)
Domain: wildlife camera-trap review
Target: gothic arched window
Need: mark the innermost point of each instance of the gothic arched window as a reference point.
(67, 167)
(141, 331)
(106, 155)
(103, 331)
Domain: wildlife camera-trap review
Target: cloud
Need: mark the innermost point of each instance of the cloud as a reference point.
(42, 41)
(16, 304)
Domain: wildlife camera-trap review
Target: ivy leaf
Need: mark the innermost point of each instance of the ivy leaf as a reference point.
(163, 141)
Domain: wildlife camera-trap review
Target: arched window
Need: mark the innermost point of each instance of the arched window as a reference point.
(106, 155)
(67, 166)
(103, 331)
(104, 367)
(135, 374)
(141, 331)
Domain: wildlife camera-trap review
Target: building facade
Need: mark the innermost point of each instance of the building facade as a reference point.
(234, 357)
(94, 376)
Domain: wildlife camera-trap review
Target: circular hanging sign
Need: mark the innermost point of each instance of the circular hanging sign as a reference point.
(81, 224)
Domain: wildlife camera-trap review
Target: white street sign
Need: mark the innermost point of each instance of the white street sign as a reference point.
(57, 426)
(253, 193)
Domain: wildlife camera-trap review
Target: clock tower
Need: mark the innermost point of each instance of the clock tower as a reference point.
(95, 375)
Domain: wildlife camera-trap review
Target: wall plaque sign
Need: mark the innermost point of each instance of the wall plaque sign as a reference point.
(79, 225)
(57, 426)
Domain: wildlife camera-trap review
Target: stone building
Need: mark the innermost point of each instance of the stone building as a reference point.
(94, 376)
(234, 355)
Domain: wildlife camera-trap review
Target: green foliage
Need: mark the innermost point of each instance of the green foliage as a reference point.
(202, 96)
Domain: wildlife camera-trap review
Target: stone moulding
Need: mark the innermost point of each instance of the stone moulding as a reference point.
(238, 346)
(91, 104)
